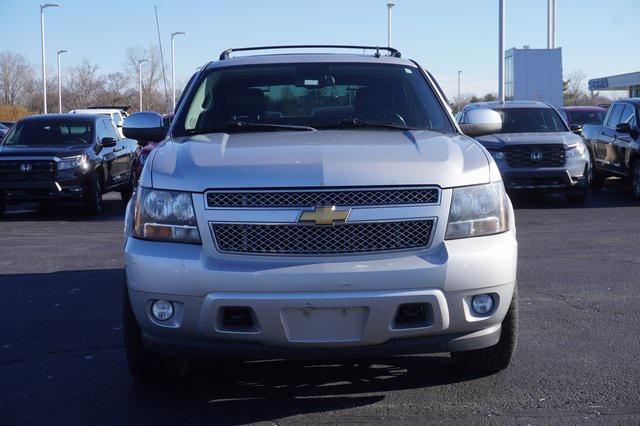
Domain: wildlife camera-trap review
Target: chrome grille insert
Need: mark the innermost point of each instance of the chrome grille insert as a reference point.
(331, 197)
(536, 156)
(302, 239)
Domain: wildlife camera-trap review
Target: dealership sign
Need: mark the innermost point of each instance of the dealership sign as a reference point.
(598, 83)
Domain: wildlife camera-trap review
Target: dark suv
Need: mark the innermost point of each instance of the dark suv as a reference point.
(615, 145)
(65, 157)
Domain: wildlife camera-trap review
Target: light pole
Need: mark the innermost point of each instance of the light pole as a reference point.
(459, 72)
(44, 70)
(140, 62)
(501, 28)
(173, 66)
(60, 82)
(389, 6)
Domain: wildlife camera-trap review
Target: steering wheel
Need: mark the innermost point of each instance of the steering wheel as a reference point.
(383, 116)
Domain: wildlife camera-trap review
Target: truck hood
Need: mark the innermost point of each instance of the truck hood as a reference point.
(323, 158)
(504, 139)
(42, 150)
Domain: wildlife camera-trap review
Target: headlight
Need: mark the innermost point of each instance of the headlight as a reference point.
(78, 161)
(497, 155)
(165, 216)
(576, 150)
(478, 210)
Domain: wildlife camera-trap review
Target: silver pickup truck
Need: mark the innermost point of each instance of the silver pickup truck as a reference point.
(313, 206)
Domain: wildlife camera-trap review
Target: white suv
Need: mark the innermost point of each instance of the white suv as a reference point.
(117, 115)
(317, 205)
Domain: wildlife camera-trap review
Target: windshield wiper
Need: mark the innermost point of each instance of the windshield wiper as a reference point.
(356, 123)
(243, 126)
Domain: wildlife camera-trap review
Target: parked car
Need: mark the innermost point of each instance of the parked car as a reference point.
(536, 151)
(3, 131)
(117, 115)
(581, 115)
(615, 145)
(382, 231)
(65, 158)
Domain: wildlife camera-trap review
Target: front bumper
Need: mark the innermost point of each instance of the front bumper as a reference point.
(321, 307)
(67, 186)
(542, 179)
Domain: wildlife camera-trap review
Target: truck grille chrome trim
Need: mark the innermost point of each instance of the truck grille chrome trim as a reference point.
(303, 239)
(288, 198)
(536, 156)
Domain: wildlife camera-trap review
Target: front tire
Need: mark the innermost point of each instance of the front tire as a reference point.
(93, 200)
(127, 192)
(146, 366)
(576, 199)
(497, 357)
(635, 180)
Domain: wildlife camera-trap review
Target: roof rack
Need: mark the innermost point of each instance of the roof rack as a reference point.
(392, 52)
(120, 107)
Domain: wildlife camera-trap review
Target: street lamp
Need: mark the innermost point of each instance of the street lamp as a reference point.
(459, 72)
(140, 62)
(44, 70)
(501, 30)
(60, 82)
(173, 66)
(389, 6)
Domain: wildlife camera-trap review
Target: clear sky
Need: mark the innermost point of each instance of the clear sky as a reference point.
(598, 37)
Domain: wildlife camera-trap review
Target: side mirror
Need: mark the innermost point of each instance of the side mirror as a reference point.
(576, 128)
(108, 142)
(481, 121)
(144, 126)
(623, 128)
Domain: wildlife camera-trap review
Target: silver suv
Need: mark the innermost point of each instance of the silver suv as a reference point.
(536, 150)
(317, 205)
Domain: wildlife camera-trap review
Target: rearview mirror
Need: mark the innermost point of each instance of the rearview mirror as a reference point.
(108, 142)
(144, 126)
(623, 128)
(480, 121)
(576, 128)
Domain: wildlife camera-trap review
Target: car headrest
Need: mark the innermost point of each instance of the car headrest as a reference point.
(245, 103)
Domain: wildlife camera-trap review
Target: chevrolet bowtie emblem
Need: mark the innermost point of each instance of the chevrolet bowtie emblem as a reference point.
(325, 216)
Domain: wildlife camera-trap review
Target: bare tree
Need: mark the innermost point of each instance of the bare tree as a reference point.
(115, 89)
(575, 88)
(16, 76)
(152, 99)
(83, 86)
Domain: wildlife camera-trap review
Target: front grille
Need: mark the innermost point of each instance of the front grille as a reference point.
(310, 239)
(536, 156)
(303, 198)
(12, 170)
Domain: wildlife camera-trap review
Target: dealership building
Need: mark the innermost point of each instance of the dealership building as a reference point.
(629, 82)
(534, 75)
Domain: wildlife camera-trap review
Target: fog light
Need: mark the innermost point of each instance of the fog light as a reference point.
(162, 310)
(482, 304)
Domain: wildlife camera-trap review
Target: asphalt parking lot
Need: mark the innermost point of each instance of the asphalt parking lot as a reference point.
(61, 356)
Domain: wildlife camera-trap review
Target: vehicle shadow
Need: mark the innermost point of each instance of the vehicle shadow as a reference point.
(112, 206)
(615, 193)
(245, 392)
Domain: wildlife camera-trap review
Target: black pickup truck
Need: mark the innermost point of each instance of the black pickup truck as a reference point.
(614, 146)
(65, 158)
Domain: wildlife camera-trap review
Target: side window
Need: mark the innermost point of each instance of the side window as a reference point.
(111, 131)
(614, 115)
(101, 130)
(628, 114)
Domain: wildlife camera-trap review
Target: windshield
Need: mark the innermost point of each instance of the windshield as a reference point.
(531, 120)
(318, 95)
(586, 117)
(49, 133)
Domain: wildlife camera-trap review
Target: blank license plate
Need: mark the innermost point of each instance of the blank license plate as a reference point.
(324, 324)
